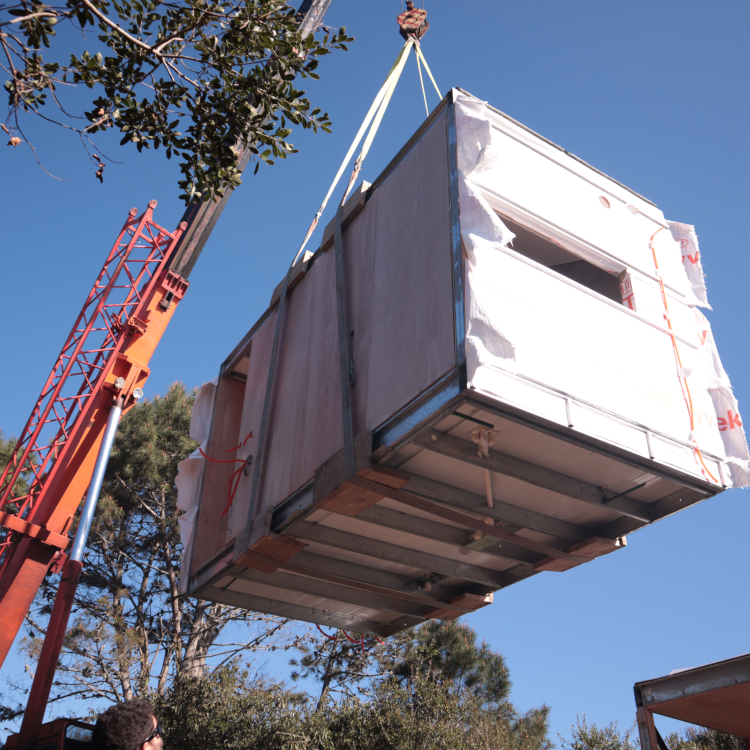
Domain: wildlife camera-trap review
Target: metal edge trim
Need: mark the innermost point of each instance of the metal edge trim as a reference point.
(300, 500)
(690, 682)
(457, 262)
(211, 570)
(515, 414)
(413, 416)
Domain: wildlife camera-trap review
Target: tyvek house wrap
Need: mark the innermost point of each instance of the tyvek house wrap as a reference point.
(524, 319)
(190, 472)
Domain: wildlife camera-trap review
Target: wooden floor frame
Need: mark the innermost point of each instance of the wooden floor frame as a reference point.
(412, 601)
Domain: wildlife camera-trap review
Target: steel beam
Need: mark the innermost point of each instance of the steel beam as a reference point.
(662, 508)
(391, 552)
(300, 612)
(440, 532)
(393, 584)
(335, 592)
(500, 463)
(442, 511)
(505, 512)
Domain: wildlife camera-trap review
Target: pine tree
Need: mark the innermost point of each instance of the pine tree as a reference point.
(448, 652)
(132, 631)
(7, 449)
(338, 663)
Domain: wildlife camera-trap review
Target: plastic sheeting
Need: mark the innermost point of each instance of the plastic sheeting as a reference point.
(684, 235)
(525, 319)
(190, 473)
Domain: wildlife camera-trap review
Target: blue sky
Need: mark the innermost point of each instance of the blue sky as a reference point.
(654, 94)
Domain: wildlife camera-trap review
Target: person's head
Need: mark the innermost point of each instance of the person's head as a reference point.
(128, 726)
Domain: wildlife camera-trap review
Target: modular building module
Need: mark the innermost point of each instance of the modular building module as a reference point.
(531, 380)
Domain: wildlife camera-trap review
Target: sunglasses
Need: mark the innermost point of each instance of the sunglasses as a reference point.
(156, 733)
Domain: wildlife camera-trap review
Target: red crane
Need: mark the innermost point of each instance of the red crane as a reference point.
(98, 375)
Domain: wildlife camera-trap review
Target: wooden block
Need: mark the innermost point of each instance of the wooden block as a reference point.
(473, 601)
(469, 601)
(591, 548)
(554, 564)
(332, 492)
(352, 207)
(349, 500)
(299, 270)
(597, 546)
(329, 476)
(442, 614)
(385, 475)
(275, 546)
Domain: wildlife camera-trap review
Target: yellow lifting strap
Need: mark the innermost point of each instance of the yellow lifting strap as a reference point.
(421, 83)
(420, 56)
(376, 111)
(378, 108)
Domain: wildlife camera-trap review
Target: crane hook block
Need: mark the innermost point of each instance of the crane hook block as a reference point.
(413, 22)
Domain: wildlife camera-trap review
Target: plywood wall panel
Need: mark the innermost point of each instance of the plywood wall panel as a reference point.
(398, 258)
(398, 267)
(211, 527)
(252, 411)
(304, 426)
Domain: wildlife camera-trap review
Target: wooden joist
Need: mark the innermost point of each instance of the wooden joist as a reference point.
(394, 584)
(440, 532)
(500, 463)
(465, 600)
(336, 592)
(448, 514)
(385, 551)
(662, 508)
(300, 612)
(591, 549)
(340, 574)
(503, 512)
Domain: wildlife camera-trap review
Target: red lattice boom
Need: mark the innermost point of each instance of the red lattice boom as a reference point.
(115, 301)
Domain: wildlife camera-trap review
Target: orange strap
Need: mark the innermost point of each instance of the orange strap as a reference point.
(683, 380)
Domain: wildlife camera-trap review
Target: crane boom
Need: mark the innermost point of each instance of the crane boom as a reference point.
(105, 357)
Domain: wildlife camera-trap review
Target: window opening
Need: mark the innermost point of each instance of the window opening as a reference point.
(549, 254)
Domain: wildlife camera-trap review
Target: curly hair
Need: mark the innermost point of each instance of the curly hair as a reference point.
(123, 726)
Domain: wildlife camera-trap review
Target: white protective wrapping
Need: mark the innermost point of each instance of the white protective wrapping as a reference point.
(190, 473)
(684, 235)
(526, 320)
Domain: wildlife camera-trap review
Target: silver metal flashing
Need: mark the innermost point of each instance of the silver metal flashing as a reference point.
(687, 682)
